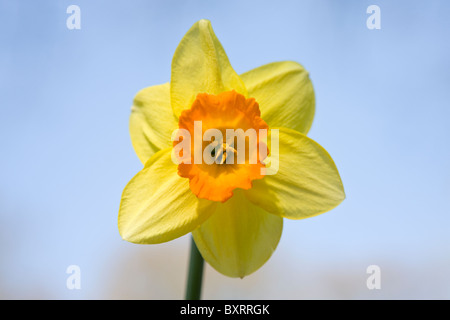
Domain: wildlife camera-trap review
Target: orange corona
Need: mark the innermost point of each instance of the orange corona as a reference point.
(227, 110)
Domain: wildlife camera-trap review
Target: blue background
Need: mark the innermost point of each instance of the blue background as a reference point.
(382, 99)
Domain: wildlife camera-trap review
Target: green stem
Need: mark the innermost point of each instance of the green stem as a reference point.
(195, 275)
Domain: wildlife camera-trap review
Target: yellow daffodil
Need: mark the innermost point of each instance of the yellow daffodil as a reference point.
(234, 212)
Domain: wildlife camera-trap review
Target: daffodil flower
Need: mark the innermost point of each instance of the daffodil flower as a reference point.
(235, 214)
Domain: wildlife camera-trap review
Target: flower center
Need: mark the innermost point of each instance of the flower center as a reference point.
(223, 152)
(227, 148)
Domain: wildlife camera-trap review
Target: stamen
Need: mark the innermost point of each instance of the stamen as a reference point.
(224, 152)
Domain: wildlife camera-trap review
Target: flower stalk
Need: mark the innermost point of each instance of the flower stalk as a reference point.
(195, 274)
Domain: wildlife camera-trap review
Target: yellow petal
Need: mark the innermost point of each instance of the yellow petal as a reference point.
(152, 121)
(307, 182)
(157, 204)
(200, 64)
(285, 94)
(239, 237)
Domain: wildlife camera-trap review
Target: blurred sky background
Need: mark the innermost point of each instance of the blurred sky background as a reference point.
(383, 111)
